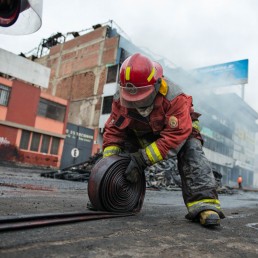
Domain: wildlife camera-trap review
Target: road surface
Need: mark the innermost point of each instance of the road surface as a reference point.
(159, 230)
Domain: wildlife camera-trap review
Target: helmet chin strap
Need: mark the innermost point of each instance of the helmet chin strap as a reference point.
(157, 85)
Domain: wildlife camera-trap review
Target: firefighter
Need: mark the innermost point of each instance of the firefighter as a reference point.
(239, 181)
(153, 120)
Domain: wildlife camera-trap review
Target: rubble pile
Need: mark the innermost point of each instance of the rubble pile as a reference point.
(163, 175)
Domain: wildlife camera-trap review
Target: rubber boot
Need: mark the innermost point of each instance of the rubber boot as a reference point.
(209, 218)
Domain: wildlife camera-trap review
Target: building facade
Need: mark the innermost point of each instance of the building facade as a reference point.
(33, 122)
(229, 128)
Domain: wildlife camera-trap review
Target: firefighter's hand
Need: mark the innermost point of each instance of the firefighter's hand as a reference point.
(135, 168)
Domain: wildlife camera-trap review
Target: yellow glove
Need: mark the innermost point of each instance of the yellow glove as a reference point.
(110, 151)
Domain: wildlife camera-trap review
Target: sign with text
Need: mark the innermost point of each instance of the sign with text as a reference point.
(226, 74)
(77, 145)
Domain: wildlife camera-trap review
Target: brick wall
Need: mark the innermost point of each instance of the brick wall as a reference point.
(78, 73)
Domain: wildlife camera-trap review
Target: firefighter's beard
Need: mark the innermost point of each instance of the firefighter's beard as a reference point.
(145, 111)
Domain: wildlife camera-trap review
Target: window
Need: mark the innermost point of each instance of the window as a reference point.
(55, 146)
(39, 142)
(107, 105)
(216, 146)
(25, 138)
(35, 142)
(4, 95)
(45, 144)
(51, 110)
(112, 73)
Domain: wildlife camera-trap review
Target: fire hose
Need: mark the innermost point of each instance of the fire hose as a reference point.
(108, 191)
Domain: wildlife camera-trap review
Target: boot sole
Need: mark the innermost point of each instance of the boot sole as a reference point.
(210, 221)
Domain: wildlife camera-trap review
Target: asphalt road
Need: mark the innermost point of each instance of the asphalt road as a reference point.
(159, 230)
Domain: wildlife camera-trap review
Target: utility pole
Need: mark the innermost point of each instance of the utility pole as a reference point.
(243, 91)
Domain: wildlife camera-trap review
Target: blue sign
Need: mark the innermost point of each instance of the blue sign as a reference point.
(223, 74)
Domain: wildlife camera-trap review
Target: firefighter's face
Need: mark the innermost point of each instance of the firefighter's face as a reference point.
(145, 111)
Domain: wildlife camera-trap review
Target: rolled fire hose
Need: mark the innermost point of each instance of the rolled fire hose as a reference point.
(108, 189)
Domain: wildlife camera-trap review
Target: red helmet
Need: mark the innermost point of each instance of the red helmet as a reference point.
(138, 75)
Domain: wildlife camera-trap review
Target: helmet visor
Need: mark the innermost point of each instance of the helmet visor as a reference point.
(137, 97)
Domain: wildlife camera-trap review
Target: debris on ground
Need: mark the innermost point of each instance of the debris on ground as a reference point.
(77, 172)
(163, 175)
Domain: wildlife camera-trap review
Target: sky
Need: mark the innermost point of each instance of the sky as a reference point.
(189, 33)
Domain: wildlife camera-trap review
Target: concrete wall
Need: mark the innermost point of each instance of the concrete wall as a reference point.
(23, 69)
(23, 103)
